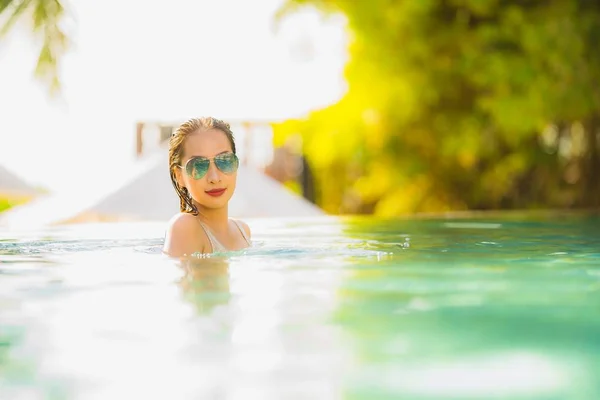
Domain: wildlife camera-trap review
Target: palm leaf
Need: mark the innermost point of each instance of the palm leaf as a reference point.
(45, 18)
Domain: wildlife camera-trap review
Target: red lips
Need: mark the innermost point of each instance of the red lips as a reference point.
(215, 192)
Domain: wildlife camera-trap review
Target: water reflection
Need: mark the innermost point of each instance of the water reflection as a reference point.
(205, 282)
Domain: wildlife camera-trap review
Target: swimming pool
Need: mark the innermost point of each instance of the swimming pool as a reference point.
(328, 308)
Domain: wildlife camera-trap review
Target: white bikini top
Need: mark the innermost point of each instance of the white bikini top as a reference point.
(217, 247)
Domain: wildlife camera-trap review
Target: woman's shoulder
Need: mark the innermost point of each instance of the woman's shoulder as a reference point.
(183, 220)
(244, 226)
(184, 235)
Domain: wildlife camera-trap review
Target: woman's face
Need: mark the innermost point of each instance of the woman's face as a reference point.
(215, 188)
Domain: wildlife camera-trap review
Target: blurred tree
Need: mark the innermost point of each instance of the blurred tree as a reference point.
(44, 18)
(460, 104)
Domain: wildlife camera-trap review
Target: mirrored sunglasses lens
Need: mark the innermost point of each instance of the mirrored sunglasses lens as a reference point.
(227, 163)
(197, 168)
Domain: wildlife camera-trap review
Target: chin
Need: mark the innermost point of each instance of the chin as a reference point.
(216, 203)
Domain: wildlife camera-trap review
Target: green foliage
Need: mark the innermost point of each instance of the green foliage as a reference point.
(460, 104)
(8, 202)
(45, 18)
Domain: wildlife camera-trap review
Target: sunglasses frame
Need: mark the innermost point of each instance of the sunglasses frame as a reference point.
(209, 159)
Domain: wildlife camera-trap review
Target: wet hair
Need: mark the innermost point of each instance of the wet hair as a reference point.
(176, 146)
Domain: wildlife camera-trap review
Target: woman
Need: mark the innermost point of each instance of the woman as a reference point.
(203, 166)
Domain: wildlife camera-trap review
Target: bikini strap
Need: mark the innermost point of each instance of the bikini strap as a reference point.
(237, 223)
(211, 239)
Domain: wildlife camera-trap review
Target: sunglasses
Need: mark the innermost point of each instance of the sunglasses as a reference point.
(197, 167)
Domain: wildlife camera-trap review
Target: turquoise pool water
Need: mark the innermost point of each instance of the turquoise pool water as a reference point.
(503, 306)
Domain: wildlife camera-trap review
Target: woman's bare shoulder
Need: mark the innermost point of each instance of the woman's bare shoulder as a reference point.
(245, 227)
(184, 236)
(183, 220)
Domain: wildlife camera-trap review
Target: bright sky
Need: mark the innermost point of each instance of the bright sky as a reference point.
(134, 60)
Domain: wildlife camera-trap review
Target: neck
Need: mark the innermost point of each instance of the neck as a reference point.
(216, 218)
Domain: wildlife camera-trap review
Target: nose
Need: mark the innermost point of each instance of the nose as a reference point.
(213, 175)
